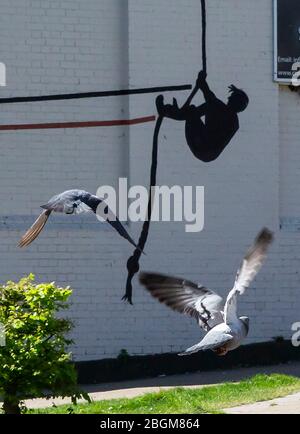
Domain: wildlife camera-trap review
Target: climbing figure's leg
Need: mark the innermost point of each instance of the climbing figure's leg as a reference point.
(172, 111)
(195, 130)
(196, 135)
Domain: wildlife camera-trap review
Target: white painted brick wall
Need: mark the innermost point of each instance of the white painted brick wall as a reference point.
(73, 46)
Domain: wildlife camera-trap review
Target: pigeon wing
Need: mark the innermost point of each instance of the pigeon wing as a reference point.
(251, 265)
(185, 297)
(35, 229)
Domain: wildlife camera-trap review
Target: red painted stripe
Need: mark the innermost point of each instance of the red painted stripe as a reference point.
(88, 124)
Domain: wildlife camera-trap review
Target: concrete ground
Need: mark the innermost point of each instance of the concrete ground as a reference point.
(131, 389)
(288, 405)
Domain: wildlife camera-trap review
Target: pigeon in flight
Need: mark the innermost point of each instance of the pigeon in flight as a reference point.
(225, 330)
(71, 202)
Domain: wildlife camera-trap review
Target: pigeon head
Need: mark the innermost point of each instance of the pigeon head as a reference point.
(245, 320)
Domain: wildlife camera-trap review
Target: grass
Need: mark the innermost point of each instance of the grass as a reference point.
(210, 399)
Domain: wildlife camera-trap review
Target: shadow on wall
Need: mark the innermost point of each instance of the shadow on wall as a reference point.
(130, 368)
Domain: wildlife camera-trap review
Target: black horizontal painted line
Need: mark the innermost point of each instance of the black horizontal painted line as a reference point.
(107, 93)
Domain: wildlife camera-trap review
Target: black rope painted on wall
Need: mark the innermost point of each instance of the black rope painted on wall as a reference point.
(133, 265)
(133, 262)
(204, 58)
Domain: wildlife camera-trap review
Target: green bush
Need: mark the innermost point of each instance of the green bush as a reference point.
(34, 361)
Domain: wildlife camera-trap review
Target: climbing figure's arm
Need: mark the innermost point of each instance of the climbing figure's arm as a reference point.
(203, 86)
(190, 98)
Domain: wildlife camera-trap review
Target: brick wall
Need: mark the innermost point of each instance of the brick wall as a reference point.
(73, 46)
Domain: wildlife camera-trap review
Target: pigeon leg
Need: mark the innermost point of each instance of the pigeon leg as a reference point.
(221, 351)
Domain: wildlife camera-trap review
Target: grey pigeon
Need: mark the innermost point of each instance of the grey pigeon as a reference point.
(72, 202)
(225, 330)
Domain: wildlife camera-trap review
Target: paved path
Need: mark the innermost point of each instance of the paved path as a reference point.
(288, 405)
(130, 389)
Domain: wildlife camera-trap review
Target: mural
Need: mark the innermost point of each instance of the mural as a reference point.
(133, 262)
(207, 139)
(209, 128)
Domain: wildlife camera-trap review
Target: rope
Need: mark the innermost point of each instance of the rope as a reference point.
(133, 265)
(133, 262)
(204, 58)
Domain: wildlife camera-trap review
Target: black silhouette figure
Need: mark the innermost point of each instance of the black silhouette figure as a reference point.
(207, 140)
